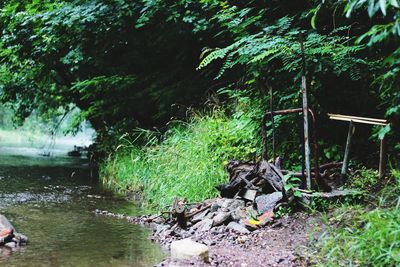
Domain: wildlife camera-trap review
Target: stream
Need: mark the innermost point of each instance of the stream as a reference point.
(52, 201)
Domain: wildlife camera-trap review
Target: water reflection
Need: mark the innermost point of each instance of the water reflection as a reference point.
(51, 200)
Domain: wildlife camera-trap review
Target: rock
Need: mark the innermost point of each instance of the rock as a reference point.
(242, 239)
(11, 245)
(268, 202)
(211, 215)
(199, 216)
(214, 207)
(239, 214)
(186, 249)
(5, 224)
(205, 225)
(221, 218)
(230, 204)
(159, 220)
(161, 228)
(238, 228)
(21, 239)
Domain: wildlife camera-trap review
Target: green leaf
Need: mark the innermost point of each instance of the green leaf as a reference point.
(286, 177)
(372, 7)
(297, 194)
(394, 3)
(382, 132)
(382, 4)
(314, 17)
(288, 187)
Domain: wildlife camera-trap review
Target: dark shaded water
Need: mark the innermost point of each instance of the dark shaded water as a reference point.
(52, 201)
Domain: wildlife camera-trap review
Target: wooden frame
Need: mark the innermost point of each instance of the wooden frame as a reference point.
(364, 120)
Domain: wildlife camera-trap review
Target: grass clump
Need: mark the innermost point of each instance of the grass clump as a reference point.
(188, 162)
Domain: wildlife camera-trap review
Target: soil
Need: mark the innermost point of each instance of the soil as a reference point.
(284, 243)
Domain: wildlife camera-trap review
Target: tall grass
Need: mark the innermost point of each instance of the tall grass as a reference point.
(188, 162)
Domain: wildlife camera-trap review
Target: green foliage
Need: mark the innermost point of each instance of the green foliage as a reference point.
(363, 238)
(365, 179)
(188, 162)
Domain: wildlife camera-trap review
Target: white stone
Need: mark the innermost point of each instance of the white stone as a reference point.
(186, 249)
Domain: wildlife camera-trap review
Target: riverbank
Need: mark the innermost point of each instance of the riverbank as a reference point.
(345, 233)
(284, 242)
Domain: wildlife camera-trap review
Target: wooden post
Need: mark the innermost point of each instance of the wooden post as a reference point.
(347, 152)
(382, 158)
(305, 116)
(271, 104)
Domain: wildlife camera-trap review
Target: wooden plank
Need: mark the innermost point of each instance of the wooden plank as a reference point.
(356, 117)
(358, 120)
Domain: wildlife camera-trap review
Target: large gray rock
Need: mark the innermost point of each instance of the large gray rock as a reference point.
(186, 249)
(268, 202)
(238, 228)
(11, 239)
(5, 223)
(221, 218)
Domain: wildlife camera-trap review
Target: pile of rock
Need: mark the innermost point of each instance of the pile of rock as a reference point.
(8, 235)
(247, 203)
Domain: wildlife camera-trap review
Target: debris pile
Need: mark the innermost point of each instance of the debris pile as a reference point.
(8, 236)
(247, 203)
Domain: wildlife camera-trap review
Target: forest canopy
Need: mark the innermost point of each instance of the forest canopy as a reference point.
(126, 64)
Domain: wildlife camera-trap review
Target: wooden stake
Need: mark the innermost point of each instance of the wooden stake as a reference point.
(271, 104)
(382, 158)
(305, 116)
(347, 152)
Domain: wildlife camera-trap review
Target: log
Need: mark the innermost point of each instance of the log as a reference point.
(179, 213)
(332, 194)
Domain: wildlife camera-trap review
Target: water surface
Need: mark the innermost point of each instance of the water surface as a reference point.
(52, 201)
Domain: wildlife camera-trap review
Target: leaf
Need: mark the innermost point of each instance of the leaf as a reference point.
(286, 177)
(314, 17)
(288, 187)
(372, 7)
(297, 193)
(394, 3)
(382, 132)
(382, 4)
(393, 110)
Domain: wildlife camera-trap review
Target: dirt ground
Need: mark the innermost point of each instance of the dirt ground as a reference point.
(284, 243)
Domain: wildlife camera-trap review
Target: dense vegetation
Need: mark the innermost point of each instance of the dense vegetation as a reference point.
(176, 88)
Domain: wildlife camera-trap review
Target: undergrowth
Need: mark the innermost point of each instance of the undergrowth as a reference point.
(365, 234)
(188, 162)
